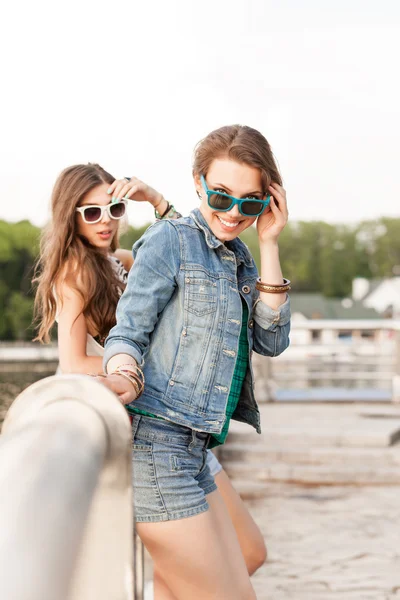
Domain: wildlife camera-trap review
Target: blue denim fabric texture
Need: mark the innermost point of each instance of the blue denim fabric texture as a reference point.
(170, 472)
(213, 463)
(180, 318)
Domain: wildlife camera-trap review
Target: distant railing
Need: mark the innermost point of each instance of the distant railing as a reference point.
(66, 514)
(358, 358)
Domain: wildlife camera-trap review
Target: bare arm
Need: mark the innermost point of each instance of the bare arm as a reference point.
(125, 256)
(270, 224)
(72, 335)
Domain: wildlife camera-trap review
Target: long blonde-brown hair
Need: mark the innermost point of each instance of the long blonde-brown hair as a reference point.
(66, 256)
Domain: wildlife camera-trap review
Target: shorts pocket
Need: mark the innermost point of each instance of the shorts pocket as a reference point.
(189, 462)
(140, 445)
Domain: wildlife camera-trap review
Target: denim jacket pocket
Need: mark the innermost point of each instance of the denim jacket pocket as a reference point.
(200, 294)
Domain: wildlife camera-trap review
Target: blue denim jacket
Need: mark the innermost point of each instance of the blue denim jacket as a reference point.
(180, 318)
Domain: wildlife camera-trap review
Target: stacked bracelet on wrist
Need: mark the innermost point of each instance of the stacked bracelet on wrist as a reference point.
(169, 213)
(134, 374)
(270, 288)
(159, 215)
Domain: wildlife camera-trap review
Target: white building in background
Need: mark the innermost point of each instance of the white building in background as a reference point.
(344, 315)
(383, 295)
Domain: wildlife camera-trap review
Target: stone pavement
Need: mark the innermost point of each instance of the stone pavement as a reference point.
(323, 483)
(329, 543)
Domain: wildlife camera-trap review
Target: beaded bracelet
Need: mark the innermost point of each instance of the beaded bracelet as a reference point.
(270, 288)
(170, 213)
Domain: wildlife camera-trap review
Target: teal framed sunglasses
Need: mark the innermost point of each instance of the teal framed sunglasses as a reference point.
(248, 207)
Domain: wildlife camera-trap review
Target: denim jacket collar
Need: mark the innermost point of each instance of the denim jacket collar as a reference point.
(236, 245)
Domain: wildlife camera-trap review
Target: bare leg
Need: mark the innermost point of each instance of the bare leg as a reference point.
(199, 557)
(161, 590)
(250, 537)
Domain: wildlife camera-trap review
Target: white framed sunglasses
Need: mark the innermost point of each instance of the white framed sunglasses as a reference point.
(93, 213)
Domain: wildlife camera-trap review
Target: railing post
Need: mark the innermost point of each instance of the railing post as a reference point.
(263, 377)
(138, 583)
(66, 513)
(396, 373)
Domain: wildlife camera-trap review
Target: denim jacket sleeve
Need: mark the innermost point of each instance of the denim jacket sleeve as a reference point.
(271, 328)
(151, 283)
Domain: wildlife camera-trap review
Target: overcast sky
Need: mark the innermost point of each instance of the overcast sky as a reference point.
(134, 85)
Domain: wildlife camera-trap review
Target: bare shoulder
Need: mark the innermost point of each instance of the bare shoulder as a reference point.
(125, 256)
(68, 282)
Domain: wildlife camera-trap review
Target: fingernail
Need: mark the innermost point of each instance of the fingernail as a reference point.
(109, 191)
(113, 199)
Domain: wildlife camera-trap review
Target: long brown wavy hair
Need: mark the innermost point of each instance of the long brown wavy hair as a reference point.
(66, 256)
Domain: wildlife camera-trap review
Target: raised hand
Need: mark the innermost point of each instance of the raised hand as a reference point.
(274, 218)
(134, 189)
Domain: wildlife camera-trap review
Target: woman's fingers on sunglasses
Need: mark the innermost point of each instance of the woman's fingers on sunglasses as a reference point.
(122, 191)
(278, 194)
(118, 189)
(112, 187)
(128, 188)
(133, 189)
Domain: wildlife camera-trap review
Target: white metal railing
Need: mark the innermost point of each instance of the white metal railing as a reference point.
(66, 514)
(330, 360)
(350, 324)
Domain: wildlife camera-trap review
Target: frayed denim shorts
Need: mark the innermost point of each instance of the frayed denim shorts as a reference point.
(171, 477)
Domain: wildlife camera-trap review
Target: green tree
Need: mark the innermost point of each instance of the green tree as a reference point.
(131, 236)
(19, 315)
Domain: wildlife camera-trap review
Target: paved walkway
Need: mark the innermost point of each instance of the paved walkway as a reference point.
(329, 543)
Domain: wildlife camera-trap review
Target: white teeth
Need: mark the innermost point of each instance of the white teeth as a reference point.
(228, 223)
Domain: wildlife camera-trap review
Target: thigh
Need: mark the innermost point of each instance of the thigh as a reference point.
(199, 557)
(249, 535)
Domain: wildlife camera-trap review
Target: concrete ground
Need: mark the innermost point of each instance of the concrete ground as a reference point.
(327, 543)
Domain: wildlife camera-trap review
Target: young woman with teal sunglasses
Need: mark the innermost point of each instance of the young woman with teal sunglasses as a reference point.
(193, 312)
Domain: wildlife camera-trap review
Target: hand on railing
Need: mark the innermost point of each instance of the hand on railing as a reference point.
(124, 389)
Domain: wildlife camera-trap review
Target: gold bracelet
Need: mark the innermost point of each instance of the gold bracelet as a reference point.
(133, 376)
(130, 379)
(270, 288)
(132, 368)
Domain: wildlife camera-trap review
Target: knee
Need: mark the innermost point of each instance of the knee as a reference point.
(256, 557)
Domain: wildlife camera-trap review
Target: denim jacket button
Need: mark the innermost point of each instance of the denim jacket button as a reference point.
(246, 289)
(171, 382)
(251, 323)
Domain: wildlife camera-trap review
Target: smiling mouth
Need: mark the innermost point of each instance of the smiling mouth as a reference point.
(231, 224)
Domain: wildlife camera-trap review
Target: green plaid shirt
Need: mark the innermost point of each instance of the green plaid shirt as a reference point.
(242, 362)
